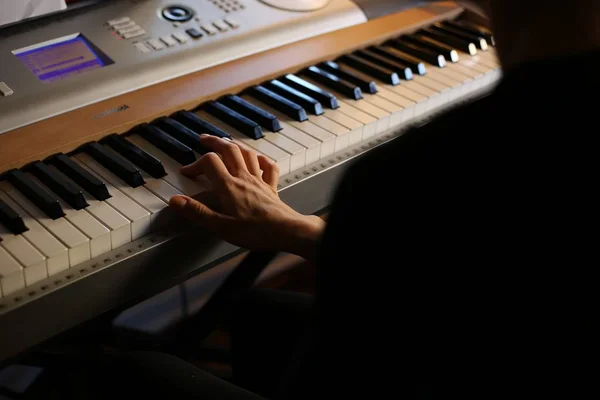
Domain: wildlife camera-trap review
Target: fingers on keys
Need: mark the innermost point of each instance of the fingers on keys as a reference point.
(229, 158)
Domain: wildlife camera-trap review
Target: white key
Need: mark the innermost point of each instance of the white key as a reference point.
(140, 222)
(355, 127)
(77, 243)
(369, 107)
(55, 253)
(185, 185)
(119, 226)
(11, 274)
(475, 75)
(353, 109)
(476, 63)
(98, 234)
(296, 151)
(140, 194)
(369, 122)
(280, 157)
(348, 116)
(342, 134)
(468, 82)
(400, 108)
(456, 86)
(312, 144)
(29, 258)
(441, 88)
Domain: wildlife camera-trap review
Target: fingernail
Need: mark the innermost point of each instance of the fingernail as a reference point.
(204, 135)
(178, 202)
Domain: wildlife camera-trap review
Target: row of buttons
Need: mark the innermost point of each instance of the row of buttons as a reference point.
(155, 44)
(126, 28)
(214, 28)
(170, 41)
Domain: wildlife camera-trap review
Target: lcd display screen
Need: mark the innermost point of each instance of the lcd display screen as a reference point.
(62, 58)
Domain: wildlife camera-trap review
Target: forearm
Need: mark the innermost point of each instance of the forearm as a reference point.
(304, 237)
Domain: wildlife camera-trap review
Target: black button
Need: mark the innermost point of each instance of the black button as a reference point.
(194, 33)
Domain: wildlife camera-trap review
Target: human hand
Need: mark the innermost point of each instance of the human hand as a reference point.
(252, 216)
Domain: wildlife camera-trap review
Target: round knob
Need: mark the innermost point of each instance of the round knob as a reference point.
(297, 5)
(178, 13)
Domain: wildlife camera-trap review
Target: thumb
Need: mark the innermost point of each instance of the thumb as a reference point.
(196, 211)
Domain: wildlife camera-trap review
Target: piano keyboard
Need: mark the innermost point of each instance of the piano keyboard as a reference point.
(70, 210)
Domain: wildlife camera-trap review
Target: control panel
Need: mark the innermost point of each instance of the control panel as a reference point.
(66, 61)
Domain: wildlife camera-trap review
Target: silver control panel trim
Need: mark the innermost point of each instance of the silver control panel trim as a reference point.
(259, 28)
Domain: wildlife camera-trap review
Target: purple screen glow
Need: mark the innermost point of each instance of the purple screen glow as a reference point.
(61, 60)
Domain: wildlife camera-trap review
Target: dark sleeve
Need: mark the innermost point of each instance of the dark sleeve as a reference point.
(388, 286)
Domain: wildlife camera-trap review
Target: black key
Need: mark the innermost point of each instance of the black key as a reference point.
(369, 68)
(133, 153)
(403, 71)
(278, 102)
(235, 119)
(116, 164)
(57, 182)
(182, 133)
(480, 42)
(264, 118)
(433, 44)
(10, 219)
(80, 176)
(449, 40)
(168, 144)
(473, 28)
(335, 82)
(432, 57)
(305, 101)
(39, 196)
(325, 98)
(333, 67)
(199, 125)
(415, 65)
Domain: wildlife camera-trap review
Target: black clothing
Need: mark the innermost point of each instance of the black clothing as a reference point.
(457, 261)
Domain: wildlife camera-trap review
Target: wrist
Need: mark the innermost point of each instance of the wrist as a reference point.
(306, 232)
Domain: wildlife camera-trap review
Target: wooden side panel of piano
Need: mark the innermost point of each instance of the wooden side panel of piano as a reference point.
(158, 262)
